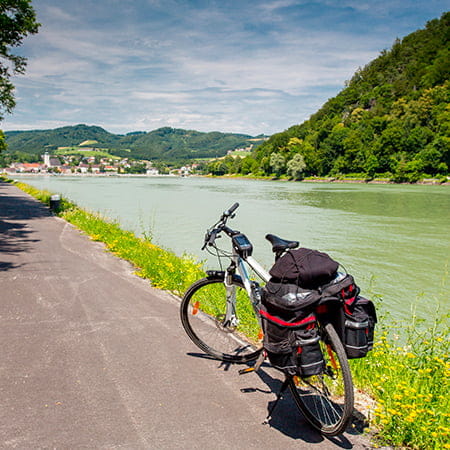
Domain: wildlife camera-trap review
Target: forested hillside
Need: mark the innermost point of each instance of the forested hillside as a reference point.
(161, 144)
(38, 141)
(392, 119)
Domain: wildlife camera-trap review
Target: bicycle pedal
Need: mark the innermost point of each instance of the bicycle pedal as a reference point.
(246, 370)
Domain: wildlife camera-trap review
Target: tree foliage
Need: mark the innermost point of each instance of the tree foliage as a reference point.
(17, 20)
(296, 166)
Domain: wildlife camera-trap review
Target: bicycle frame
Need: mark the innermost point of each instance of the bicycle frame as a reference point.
(238, 263)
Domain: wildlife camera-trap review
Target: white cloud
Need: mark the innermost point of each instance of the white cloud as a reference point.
(230, 66)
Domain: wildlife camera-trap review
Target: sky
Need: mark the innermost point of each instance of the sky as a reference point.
(241, 66)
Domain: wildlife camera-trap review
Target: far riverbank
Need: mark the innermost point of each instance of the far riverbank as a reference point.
(428, 181)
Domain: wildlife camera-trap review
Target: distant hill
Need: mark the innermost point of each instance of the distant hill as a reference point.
(392, 118)
(38, 141)
(161, 144)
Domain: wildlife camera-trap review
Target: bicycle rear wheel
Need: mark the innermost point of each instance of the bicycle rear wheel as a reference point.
(326, 400)
(203, 311)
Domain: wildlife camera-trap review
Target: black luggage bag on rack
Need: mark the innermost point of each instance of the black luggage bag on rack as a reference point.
(305, 282)
(291, 337)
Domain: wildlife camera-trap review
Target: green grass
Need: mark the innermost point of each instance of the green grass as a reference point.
(407, 373)
(82, 152)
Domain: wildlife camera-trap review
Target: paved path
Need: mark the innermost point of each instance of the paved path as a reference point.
(93, 357)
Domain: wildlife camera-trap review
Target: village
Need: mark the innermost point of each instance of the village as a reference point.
(91, 165)
(93, 161)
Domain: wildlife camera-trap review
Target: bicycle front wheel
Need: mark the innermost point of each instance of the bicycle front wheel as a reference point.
(326, 400)
(204, 317)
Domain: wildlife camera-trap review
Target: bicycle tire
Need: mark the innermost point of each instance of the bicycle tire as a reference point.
(326, 400)
(202, 312)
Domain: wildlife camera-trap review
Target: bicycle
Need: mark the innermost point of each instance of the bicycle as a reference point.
(221, 315)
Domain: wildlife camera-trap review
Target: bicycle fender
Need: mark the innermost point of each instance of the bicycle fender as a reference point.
(220, 275)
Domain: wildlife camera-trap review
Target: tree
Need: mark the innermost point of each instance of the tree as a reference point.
(248, 165)
(2, 141)
(277, 162)
(296, 166)
(17, 20)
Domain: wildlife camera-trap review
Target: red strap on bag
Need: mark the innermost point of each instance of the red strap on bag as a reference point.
(283, 323)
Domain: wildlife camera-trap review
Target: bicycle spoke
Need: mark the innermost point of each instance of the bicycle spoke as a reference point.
(224, 336)
(326, 400)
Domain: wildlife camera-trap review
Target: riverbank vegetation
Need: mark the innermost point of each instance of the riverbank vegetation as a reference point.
(406, 374)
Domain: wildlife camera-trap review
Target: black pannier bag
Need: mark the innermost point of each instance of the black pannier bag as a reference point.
(341, 287)
(360, 319)
(354, 319)
(306, 267)
(291, 337)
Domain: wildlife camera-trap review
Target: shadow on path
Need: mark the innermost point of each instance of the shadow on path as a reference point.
(286, 417)
(16, 212)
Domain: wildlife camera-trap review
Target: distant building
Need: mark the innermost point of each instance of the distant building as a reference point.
(51, 161)
(27, 167)
(83, 168)
(46, 158)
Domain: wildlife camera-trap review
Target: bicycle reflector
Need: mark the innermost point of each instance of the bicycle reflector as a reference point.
(242, 245)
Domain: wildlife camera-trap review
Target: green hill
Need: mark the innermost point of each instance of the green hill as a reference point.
(161, 144)
(37, 141)
(169, 143)
(392, 118)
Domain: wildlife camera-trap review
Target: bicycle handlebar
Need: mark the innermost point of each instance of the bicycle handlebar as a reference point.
(213, 233)
(230, 211)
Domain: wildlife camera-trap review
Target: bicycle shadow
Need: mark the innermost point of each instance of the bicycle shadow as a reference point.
(224, 365)
(287, 418)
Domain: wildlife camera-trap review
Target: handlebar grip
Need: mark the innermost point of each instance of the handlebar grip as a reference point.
(231, 210)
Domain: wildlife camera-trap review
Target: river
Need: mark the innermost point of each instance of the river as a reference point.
(394, 239)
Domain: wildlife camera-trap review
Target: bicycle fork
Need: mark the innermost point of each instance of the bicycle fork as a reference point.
(230, 319)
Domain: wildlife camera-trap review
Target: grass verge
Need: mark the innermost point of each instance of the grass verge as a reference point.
(409, 382)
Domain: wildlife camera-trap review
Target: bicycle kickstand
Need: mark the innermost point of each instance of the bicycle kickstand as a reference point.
(280, 394)
(258, 363)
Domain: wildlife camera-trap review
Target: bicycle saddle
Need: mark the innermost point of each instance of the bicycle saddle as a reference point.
(279, 244)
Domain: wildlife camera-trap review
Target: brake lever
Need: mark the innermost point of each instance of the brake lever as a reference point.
(213, 236)
(210, 238)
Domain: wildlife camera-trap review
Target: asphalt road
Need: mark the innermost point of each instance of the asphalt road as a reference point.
(93, 357)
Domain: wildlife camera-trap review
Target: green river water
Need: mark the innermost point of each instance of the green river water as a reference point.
(394, 239)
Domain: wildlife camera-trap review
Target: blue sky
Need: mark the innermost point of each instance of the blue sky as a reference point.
(241, 66)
